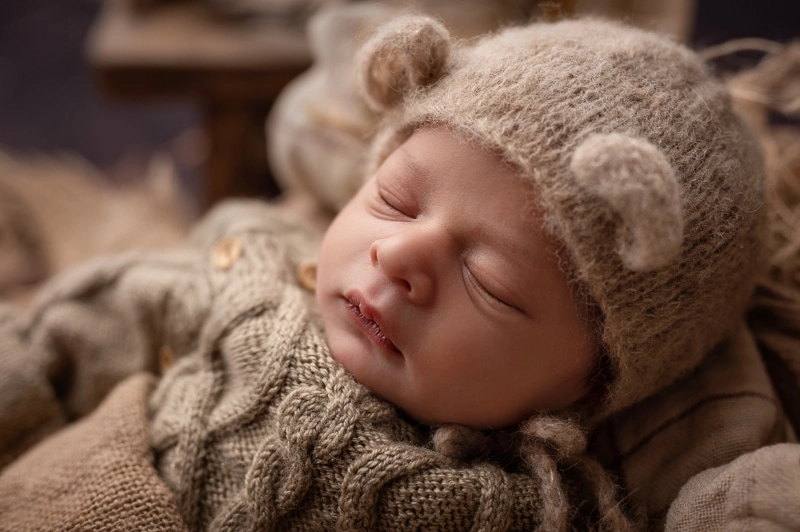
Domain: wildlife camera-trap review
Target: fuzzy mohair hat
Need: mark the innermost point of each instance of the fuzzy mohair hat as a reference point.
(640, 166)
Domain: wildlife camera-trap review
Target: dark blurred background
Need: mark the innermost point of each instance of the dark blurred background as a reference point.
(719, 20)
(49, 101)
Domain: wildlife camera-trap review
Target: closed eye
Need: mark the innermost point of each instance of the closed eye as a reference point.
(485, 292)
(392, 205)
(388, 203)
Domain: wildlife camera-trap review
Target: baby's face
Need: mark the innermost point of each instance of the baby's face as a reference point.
(441, 293)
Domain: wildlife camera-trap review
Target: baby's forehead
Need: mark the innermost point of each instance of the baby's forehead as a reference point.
(479, 190)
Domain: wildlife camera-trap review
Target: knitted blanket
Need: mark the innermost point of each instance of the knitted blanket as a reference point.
(253, 426)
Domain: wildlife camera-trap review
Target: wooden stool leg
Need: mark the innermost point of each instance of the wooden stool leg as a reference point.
(237, 156)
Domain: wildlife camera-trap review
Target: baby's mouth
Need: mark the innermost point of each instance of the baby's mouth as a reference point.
(362, 315)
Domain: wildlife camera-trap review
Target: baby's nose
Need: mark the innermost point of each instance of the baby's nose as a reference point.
(412, 259)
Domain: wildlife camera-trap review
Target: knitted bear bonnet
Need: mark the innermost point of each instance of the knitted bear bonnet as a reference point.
(638, 163)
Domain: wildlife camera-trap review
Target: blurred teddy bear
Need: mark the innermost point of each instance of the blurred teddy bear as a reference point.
(319, 129)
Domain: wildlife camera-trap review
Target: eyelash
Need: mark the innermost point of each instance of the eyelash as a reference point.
(481, 288)
(391, 205)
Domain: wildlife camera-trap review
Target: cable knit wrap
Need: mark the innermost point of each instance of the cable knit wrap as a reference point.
(256, 427)
(642, 170)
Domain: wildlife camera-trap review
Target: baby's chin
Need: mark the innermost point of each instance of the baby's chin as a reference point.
(412, 407)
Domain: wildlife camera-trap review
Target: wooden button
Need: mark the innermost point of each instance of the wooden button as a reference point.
(226, 253)
(166, 358)
(307, 275)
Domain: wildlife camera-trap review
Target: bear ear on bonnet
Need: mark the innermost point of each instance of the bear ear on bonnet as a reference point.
(635, 179)
(403, 56)
(630, 175)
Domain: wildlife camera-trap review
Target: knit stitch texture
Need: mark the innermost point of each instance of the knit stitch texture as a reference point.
(257, 427)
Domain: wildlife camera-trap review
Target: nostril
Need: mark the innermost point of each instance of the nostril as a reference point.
(373, 254)
(404, 283)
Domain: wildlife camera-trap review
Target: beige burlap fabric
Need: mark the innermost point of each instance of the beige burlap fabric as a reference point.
(726, 408)
(57, 211)
(759, 491)
(96, 474)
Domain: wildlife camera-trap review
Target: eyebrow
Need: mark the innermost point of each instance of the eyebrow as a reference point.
(413, 167)
(515, 255)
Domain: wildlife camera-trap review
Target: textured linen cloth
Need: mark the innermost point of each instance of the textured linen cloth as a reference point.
(726, 408)
(96, 474)
(758, 491)
(254, 426)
